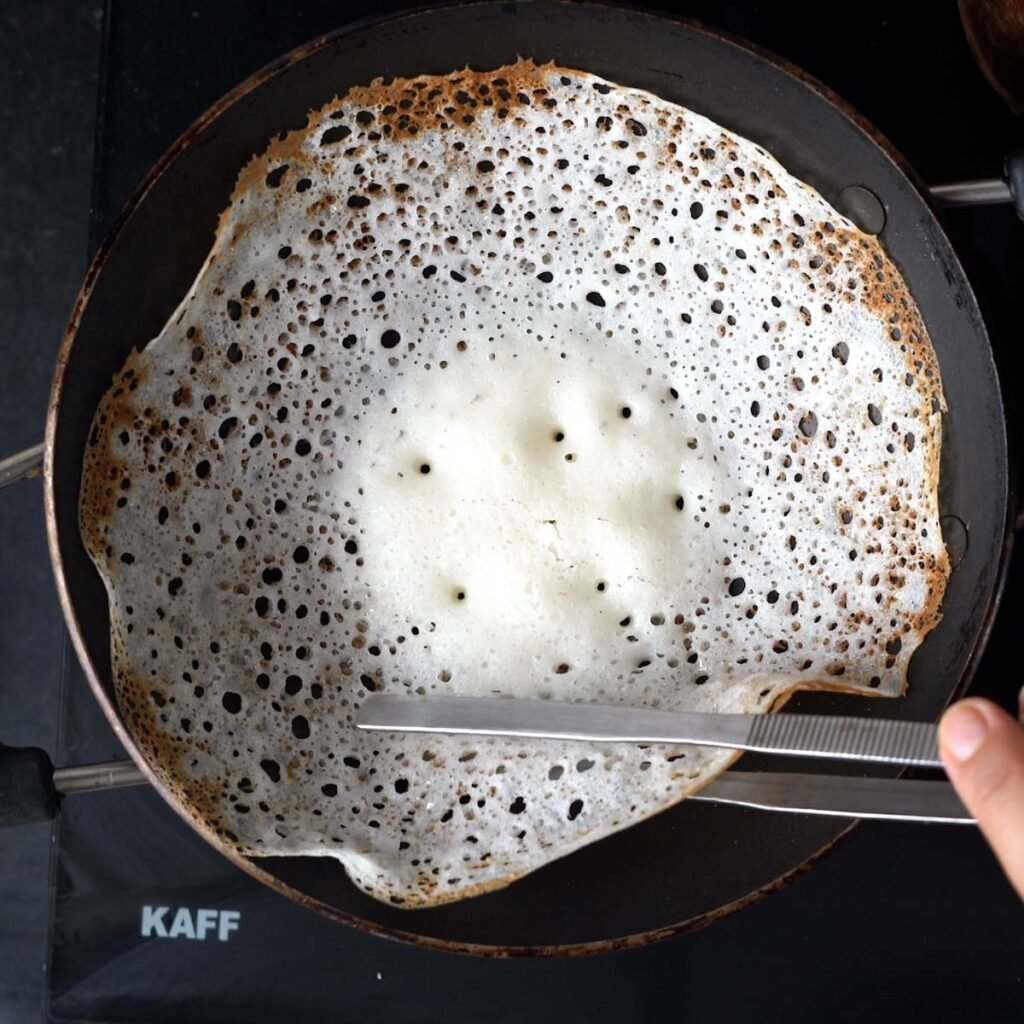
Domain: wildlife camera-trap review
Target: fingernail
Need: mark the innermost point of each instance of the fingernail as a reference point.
(963, 730)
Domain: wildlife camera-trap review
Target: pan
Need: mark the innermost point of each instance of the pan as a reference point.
(693, 863)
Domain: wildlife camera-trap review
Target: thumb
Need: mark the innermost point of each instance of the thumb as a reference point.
(983, 751)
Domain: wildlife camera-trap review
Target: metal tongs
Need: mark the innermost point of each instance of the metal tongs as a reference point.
(847, 796)
(882, 741)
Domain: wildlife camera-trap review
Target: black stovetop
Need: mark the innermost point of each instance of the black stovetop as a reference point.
(901, 922)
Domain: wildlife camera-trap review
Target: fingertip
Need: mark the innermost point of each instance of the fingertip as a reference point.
(962, 730)
(992, 715)
(983, 750)
(972, 723)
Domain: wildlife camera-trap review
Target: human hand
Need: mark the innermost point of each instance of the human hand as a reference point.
(982, 748)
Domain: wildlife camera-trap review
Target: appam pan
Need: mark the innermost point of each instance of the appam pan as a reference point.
(693, 863)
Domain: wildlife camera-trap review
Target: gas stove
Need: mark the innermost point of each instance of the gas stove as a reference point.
(902, 922)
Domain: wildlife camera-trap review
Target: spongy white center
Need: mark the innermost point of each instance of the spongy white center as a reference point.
(528, 505)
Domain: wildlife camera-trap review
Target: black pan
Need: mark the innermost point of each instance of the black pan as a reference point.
(693, 863)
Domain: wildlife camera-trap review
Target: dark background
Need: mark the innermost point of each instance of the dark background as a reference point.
(902, 922)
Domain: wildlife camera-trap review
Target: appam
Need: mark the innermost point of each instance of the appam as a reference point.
(516, 382)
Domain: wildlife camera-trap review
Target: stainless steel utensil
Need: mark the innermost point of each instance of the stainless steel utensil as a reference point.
(831, 736)
(843, 738)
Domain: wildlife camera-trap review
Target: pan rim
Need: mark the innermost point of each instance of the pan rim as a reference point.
(252, 865)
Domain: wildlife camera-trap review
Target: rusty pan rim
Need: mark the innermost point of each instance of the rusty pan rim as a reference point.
(249, 865)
